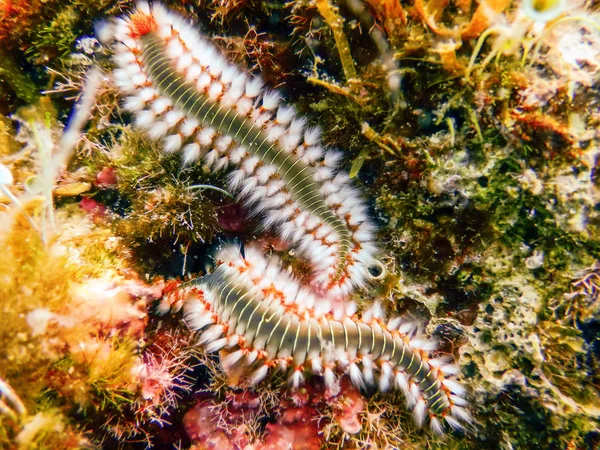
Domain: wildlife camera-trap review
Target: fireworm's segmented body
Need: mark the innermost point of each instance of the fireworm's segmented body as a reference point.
(181, 89)
(264, 318)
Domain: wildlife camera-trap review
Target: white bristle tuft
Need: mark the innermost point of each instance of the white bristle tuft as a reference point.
(450, 369)
(173, 117)
(342, 358)
(258, 375)
(211, 334)
(414, 395)
(191, 153)
(296, 379)
(148, 94)
(378, 311)
(453, 422)
(394, 323)
(251, 357)
(282, 365)
(408, 328)
(160, 105)
(454, 386)
(243, 106)
(139, 80)
(436, 426)
(145, 119)
(312, 154)
(461, 413)
(420, 412)
(386, 377)
(184, 62)
(222, 143)
(338, 312)
(297, 126)
(367, 315)
(165, 31)
(144, 7)
(457, 400)
(237, 154)
(203, 81)
(204, 53)
(216, 67)
(175, 49)
(198, 318)
(332, 158)
(193, 72)
(221, 163)
(215, 90)
(330, 378)
(133, 69)
(322, 174)
(228, 75)
(105, 31)
(439, 362)
(367, 362)
(316, 365)
(356, 376)
(172, 143)
(233, 340)
(134, 104)
(285, 114)
(312, 136)
(216, 345)
(275, 132)
(163, 307)
(205, 137)
(254, 87)
(158, 130)
(423, 344)
(289, 142)
(351, 308)
(270, 100)
(189, 127)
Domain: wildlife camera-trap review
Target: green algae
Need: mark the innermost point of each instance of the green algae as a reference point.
(20, 84)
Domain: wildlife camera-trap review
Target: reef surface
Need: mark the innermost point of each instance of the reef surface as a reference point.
(470, 129)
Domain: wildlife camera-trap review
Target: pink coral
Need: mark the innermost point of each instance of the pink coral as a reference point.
(297, 428)
(348, 408)
(163, 374)
(201, 424)
(297, 423)
(95, 209)
(106, 178)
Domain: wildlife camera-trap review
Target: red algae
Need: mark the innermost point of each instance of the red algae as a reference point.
(106, 178)
(297, 423)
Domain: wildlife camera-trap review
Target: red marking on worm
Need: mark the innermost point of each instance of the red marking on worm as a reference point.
(142, 24)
